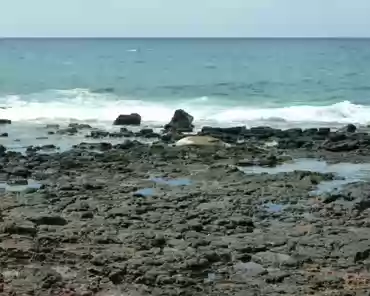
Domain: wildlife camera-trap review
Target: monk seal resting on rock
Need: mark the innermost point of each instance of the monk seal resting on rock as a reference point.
(201, 141)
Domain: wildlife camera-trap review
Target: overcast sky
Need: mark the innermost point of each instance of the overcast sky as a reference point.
(185, 18)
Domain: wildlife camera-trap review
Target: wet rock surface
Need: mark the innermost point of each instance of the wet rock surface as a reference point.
(131, 119)
(137, 219)
(181, 122)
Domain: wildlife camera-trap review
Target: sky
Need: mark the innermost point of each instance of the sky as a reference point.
(185, 18)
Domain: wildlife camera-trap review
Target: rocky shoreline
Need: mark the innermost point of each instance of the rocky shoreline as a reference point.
(168, 219)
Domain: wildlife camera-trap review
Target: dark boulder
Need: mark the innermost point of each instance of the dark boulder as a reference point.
(181, 122)
(132, 119)
(350, 128)
(2, 149)
(5, 121)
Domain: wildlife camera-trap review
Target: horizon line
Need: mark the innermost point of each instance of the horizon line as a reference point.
(185, 37)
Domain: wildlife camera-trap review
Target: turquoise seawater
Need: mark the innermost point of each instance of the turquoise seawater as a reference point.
(219, 81)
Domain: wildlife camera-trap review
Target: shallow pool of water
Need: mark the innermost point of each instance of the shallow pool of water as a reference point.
(172, 182)
(32, 184)
(347, 172)
(274, 208)
(146, 192)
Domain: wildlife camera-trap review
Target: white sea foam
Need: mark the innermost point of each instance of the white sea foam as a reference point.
(83, 105)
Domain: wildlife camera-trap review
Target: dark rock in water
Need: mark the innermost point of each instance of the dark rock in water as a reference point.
(94, 146)
(127, 144)
(5, 121)
(54, 126)
(79, 126)
(181, 122)
(2, 149)
(32, 149)
(69, 130)
(4, 135)
(104, 90)
(351, 128)
(343, 146)
(132, 119)
(99, 134)
(48, 147)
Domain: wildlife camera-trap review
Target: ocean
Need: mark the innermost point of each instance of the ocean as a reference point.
(221, 82)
